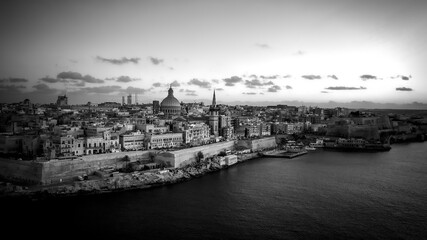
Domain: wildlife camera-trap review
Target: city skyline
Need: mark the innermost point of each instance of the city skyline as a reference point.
(361, 52)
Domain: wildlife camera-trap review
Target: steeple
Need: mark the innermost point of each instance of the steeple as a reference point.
(214, 100)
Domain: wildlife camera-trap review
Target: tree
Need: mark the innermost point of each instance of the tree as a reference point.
(151, 156)
(222, 154)
(200, 156)
(126, 159)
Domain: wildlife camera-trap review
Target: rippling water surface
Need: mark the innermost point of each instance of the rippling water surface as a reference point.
(320, 195)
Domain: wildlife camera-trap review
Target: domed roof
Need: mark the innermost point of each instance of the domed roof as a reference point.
(170, 100)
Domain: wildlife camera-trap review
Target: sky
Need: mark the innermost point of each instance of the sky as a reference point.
(251, 52)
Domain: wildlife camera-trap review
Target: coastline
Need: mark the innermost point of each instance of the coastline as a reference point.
(119, 182)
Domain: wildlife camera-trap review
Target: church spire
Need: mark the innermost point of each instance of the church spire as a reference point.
(214, 100)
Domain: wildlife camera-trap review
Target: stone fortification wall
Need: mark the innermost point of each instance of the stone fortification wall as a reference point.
(258, 144)
(361, 131)
(337, 131)
(21, 171)
(56, 170)
(184, 157)
(353, 131)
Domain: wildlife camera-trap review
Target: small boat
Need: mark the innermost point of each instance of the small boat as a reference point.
(310, 148)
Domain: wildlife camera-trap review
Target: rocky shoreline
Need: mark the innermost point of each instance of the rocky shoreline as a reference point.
(118, 181)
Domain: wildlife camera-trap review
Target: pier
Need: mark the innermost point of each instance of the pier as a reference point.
(283, 154)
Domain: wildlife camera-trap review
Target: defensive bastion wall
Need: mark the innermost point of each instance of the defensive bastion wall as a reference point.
(258, 144)
(354, 131)
(21, 171)
(184, 157)
(55, 170)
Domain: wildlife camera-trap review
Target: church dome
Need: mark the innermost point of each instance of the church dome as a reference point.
(170, 105)
(170, 100)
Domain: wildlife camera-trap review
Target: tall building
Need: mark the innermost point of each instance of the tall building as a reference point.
(123, 100)
(156, 107)
(62, 101)
(213, 116)
(130, 99)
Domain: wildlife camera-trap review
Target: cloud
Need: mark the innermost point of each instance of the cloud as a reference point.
(404, 89)
(215, 80)
(49, 79)
(262, 45)
(11, 87)
(189, 92)
(14, 80)
(126, 79)
(333, 77)
(136, 90)
(324, 91)
(269, 77)
(299, 53)
(249, 93)
(79, 84)
(157, 84)
(110, 89)
(175, 84)
(90, 79)
(406, 78)
(345, 88)
(368, 77)
(18, 80)
(287, 76)
(288, 87)
(311, 77)
(102, 89)
(156, 61)
(253, 76)
(202, 84)
(42, 88)
(219, 89)
(121, 61)
(274, 88)
(232, 80)
(257, 83)
(78, 76)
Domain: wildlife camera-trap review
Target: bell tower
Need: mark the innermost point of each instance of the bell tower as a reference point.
(213, 116)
